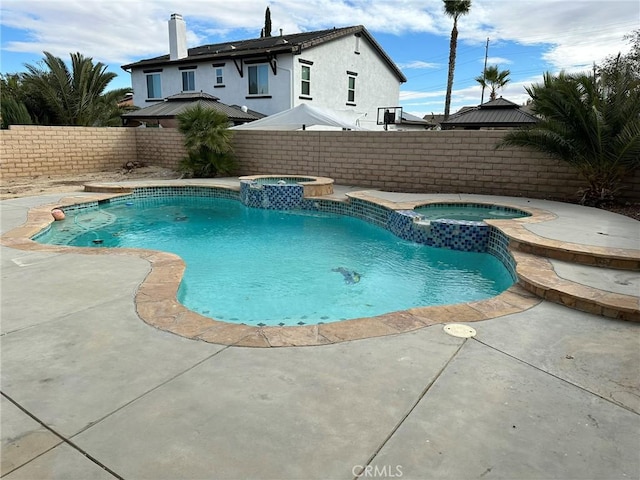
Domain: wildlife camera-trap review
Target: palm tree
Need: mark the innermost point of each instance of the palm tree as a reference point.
(13, 110)
(71, 97)
(593, 123)
(493, 78)
(108, 112)
(453, 9)
(207, 139)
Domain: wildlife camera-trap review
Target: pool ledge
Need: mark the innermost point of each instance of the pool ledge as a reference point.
(156, 304)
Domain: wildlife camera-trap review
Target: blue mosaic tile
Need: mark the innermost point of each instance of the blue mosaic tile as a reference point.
(271, 197)
(498, 246)
(453, 234)
(401, 224)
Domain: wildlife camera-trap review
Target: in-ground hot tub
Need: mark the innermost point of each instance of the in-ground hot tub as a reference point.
(312, 186)
(458, 226)
(474, 212)
(282, 192)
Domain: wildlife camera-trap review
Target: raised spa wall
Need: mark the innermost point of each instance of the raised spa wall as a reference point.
(468, 236)
(281, 192)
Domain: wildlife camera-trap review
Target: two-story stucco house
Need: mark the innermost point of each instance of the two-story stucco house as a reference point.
(339, 69)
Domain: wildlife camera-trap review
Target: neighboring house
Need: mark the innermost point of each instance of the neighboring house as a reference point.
(494, 115)
(163, 114)
(338, 69)
(126, 101)
(433, 120)
(412, 122)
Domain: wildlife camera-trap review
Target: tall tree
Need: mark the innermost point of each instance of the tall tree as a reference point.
(453, 9)
(11, 86)
(71, 96)
(632, 58)
(267, 22)
(16, 98)
(13, 112)
(494, 79)
(592, 123)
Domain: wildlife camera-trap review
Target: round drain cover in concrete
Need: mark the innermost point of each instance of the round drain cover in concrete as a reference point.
(459, 330)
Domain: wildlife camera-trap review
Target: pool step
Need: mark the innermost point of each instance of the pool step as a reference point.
(85, 222)
(537, 275)
(525, 241)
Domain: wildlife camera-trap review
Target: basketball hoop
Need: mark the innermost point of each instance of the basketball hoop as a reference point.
(389, 116)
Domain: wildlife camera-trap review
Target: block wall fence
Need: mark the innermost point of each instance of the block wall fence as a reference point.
(420, 161)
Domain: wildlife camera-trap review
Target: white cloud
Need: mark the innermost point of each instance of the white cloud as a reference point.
(577, 32)
(104, 29)
(570, 35)
(418, 65)
(497, 61)
(413, 95)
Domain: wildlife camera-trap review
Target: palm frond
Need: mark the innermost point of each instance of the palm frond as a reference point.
(207, 139)
(592, 124)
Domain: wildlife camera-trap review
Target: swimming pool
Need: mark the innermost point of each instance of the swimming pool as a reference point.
(266, 267)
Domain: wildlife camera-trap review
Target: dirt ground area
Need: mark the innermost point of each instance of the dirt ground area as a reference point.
(631, 210)
(75, 183)
(26, 187)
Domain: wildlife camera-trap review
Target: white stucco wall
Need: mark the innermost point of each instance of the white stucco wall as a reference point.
(376, 84)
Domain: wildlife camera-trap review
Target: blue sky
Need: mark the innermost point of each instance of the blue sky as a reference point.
(527, 37)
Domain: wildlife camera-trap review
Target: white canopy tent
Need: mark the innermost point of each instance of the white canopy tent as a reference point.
(304, 116)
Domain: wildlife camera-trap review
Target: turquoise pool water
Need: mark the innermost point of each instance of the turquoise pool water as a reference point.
(471, 212)
(282, 180)
(265, 267)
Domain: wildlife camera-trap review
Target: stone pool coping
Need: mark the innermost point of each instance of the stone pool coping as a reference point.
(157, 305)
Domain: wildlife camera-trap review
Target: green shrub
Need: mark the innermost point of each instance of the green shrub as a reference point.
(207, 139)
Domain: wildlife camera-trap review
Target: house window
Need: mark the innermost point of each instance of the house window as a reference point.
(188, 81)
(306, 80)
(219, 76)
(258, 80)
(154, 89)
(351, 90)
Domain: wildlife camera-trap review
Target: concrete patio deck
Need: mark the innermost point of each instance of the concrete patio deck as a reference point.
(90, 391)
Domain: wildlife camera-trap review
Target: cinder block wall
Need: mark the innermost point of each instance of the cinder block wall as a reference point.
(161, 147)
(428, 161)
(431, 162)
(29, 151)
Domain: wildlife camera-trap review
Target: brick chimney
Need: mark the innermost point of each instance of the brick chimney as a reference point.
(177, 37)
